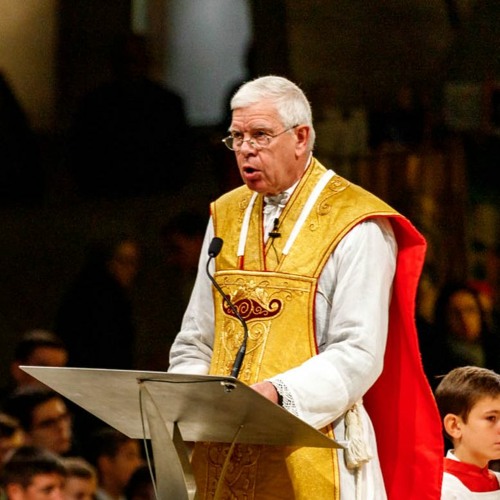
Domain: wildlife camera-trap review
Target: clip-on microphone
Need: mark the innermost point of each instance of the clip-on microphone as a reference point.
(214, 250)
(275, 233)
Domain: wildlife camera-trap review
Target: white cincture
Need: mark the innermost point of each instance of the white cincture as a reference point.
(357, 451)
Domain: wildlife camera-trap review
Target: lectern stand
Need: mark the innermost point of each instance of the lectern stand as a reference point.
(171, 409)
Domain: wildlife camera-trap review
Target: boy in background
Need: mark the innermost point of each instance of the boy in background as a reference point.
(81, 479)
(468, 399)
(32, 473)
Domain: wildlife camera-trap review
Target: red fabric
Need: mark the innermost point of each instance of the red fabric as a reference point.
(473, 477)
(400, 403)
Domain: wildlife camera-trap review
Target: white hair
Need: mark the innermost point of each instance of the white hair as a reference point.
(290, 101)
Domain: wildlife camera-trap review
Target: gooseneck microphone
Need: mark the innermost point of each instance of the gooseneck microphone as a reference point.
(214, 250)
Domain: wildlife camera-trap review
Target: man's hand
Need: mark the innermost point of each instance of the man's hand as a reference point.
(267, 390)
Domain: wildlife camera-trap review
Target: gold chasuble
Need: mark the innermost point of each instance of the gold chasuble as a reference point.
(273, 287)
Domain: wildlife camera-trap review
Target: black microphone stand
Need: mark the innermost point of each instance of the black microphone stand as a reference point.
(213, 251)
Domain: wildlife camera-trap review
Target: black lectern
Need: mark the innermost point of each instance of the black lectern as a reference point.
(171, 409)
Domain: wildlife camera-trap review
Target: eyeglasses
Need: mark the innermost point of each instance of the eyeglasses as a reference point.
(259, 140)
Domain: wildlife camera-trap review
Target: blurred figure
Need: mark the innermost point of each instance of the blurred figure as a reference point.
(36, 347)
(140, 485)
(130, 136)
(169, 285)
(11, 435)
(115, 457)
(81, 479)
(461, 333)
(33, 473)
(95, 317)
(182, 237)
(44, 417)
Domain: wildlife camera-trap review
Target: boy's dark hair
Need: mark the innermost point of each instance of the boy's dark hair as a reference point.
(140, 479)
(27, 462)
(79, 467)
(105, 441)
(21, 403)
(462, 388)
(33, 339)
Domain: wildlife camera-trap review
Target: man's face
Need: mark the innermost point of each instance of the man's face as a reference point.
(278, 166)
(480, 436)
(52, 426)
(121, 467)
(79, 488)
(464, 316)
(42, 487)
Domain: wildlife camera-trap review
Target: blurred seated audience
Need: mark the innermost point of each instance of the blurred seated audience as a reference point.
(32, 473)
(115, 457)
(44, 416)
(37, 347)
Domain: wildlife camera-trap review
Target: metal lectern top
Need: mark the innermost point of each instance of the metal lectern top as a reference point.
(203, 407)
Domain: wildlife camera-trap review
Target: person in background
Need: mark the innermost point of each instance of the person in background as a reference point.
(331, 274)
(140, 485)
(11, 435)
(33, 473)
(81, 479)
(95, 316)
(170, 284)
(37, 347)
(115, 457)
(44, 416)
(468, 398)
(461, 333)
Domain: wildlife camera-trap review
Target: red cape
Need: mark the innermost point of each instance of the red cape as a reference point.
(400, 403)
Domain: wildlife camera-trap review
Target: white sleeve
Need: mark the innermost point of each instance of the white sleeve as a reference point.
(192, 348)
(352, 311)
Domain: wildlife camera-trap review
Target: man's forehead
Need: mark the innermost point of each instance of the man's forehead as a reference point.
(264, 111)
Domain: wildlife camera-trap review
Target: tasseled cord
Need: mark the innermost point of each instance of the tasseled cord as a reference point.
(357, 452)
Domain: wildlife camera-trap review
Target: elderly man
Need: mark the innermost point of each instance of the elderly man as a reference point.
(324, 274)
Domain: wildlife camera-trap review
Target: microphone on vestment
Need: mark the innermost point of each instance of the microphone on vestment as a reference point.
(275, 233)
(214, 250)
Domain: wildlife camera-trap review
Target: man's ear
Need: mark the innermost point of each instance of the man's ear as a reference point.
(302, 133)
(14, 491)
(453, 425)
